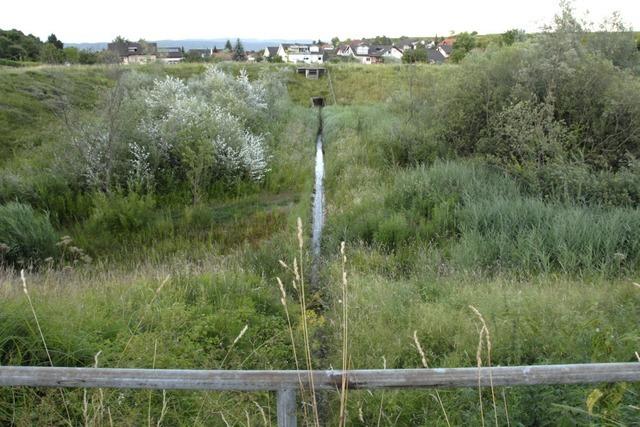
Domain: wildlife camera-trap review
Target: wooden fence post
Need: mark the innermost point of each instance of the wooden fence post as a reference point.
(287, 408)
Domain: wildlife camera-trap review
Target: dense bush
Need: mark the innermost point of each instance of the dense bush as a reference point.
(26, 236)
(122, 213)
(157, 135)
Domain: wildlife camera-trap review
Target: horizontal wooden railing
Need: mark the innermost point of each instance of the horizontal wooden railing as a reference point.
(287, 382)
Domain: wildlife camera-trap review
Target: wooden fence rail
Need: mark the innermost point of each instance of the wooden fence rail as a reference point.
(287, 382)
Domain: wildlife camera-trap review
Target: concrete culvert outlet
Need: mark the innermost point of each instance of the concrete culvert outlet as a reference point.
(317, 101)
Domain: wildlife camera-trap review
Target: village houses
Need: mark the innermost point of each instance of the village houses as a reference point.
(361, 51)
(145, 52)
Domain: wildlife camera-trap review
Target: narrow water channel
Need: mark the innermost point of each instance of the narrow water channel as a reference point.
(318, 202)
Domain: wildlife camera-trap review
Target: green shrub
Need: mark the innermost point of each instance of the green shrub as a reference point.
(553, 89)
(26, 236)
(122, 213)
(393, 231)
(11, 63)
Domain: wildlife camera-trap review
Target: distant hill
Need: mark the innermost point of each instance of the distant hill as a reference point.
(249, 44)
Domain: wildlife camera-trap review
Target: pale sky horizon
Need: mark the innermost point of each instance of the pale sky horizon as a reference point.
(75, 21)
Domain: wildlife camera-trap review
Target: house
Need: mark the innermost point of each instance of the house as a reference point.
(301, 53)
(134, 53)
(344, 50)
(200, 53)
(270, 52)
(222, 55)
(360, 51)
(404, 44)
(393, 52)
(170, 55)
(367, 53)
(435, 56)
(449, 41)
(445, 49)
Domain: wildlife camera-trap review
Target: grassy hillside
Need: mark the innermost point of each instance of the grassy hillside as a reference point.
(35, 100)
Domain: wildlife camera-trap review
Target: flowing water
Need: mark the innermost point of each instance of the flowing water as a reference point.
(318, 201)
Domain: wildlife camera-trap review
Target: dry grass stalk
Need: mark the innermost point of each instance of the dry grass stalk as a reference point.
(44, 342)
(233, 344)
(345, 339)
(283, 301)
(165, 407)
(484, 333)
(226, 423)
(426, 365)
(506, 408)
(299, 276)
(262, 414)
(97, 411)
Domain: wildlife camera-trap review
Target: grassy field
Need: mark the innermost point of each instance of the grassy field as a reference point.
(437, 222)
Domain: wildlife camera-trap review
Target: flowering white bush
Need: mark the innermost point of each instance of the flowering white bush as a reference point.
(207, 117)
(92, 144)
(245, 99)
(171, 131)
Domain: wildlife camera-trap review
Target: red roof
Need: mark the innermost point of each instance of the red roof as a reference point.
(449, 41)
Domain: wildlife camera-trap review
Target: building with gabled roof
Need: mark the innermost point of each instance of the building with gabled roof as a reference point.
(170, 55)
(301, 53)
(270, 51)
(134, 52)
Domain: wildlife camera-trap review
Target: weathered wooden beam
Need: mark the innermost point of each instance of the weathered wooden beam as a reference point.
(357, 379)
(287, 408)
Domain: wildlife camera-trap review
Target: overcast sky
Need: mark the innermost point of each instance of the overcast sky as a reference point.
(91, 21)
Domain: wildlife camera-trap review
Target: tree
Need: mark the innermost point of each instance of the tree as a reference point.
(227, 46)
(55, 42)
(51, 54)
(512, 36)
(120, 40)
(72, 54)
(146, 47)
(87, 57)
(16, 45)
(215, 49)
(411, 56)
(336, 41)
(383, 40)
(464, 43)
(108, 57)
(238, 52)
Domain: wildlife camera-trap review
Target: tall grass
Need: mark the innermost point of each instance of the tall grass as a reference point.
(26, 236)
(480, 219)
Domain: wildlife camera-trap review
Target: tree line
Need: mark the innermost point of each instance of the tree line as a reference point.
(17, 46)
